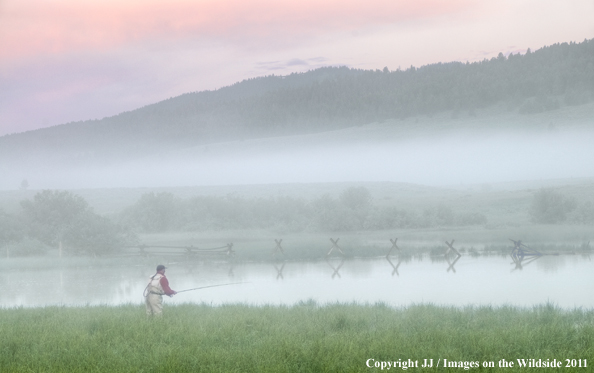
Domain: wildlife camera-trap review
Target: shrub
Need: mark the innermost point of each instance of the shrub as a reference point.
(154, 212)
(583, 214)
(11, 229)
(95, 235)
(550, 207)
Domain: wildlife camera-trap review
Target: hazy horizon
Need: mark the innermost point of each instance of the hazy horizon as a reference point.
(481, 157)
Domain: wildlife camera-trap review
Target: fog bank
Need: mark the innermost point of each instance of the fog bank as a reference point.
(435, 159)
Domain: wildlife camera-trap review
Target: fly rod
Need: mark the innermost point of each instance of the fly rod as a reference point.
(212, 286)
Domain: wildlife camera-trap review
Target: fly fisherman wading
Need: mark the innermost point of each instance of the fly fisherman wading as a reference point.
(153, 293)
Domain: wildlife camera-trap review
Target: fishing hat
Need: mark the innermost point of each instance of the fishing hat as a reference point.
(161, 267)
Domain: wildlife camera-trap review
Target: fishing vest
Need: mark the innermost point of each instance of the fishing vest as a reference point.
(154, 285)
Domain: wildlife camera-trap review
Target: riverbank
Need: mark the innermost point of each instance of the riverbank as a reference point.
(260, 245)
(478, 217)
(303, 338)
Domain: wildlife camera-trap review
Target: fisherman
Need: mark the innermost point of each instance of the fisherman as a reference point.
(153, 293)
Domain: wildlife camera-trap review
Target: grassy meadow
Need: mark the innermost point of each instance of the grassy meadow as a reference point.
(302, 338)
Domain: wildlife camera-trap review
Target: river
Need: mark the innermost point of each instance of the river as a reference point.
(564, 280)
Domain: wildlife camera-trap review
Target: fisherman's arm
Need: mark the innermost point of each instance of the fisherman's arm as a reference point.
(165, 285)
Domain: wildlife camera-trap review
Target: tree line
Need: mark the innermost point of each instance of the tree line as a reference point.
(352, 210)
(61, 219)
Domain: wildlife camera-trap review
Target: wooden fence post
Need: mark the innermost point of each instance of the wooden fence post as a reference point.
(451, 248)
(458, 256)
(278, 247)
(394, 246)
(334, 246)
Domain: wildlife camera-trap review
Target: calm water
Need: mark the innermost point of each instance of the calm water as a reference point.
(564, 280)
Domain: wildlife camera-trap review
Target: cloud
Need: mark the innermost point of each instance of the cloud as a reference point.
(33, 28)
(293, 64)
(296, 61)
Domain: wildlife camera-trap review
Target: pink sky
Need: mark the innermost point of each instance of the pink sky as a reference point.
(66, 60)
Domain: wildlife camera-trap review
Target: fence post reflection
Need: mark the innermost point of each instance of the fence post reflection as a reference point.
(395, 267)
(448, 251)
(335, 269)
(279, 271)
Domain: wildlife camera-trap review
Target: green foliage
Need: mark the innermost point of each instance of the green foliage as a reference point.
(11, 228)
(332, 215)
(51, 213)
(583, 214)
(353, 210)
(391, 217)
(154, 212)
(56, 217)
(550, 207)
(356, 198)
(94, 234)
(302, 338)
(440, 216)
(359, 201)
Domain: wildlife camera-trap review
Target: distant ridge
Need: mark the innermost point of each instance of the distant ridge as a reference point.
(319, 100)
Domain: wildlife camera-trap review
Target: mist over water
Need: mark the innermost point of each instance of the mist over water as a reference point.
(449, 159)
(563, 281)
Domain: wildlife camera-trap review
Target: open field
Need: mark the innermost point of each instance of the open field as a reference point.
(302, 338)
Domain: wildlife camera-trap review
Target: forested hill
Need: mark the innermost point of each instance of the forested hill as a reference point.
(324, 99)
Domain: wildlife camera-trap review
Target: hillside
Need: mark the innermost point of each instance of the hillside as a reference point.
(550, 88)
(492, 146)
(330, 98)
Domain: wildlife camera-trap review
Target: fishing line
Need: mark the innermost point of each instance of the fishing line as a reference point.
(212, 286)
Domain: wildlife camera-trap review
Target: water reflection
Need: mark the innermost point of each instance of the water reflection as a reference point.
(335, 269)
(520, 261)
(279, 271)
(564, 280)
(451, 264)
(395, 267)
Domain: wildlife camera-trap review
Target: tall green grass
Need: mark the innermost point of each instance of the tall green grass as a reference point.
(302, 338)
